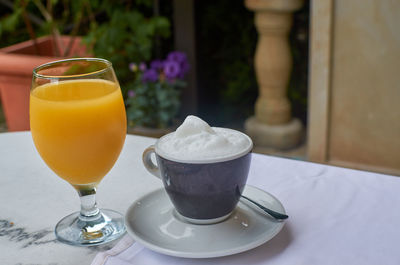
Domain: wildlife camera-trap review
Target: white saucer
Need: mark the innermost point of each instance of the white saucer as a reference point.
(152, 221)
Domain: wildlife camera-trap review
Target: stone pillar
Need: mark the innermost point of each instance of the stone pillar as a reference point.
(272, 125)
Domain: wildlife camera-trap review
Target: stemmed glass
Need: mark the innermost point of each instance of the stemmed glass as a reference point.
(78, 125)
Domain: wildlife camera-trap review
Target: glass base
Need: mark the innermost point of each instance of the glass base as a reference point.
(79, 230)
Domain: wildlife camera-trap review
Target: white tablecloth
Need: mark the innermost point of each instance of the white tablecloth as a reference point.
(33, 199)
(337, 216)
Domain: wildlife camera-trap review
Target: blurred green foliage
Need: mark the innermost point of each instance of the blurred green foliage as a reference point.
(125, 31)
(22, 20)
(125, 34)
(154, 105)
(154, 98)
(122, 31)
(228, 40)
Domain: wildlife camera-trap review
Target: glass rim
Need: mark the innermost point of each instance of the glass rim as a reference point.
(107, 63)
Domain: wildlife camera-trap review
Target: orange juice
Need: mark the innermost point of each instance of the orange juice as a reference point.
(78, 127)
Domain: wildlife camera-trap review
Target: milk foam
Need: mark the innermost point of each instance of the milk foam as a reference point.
(196, 140)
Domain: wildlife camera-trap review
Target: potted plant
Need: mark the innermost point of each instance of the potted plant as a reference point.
(120, 31)
(130, 31)
(154, 97)
(18, 60)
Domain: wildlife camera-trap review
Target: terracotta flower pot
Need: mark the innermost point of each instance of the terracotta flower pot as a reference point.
(16, 65)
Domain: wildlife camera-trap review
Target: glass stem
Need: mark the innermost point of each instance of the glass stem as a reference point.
(89, 208)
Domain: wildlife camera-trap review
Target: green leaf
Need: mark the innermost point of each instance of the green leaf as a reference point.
(10, 22)
(162, 26)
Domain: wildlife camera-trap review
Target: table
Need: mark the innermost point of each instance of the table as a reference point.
(33, 199)
(337, 215)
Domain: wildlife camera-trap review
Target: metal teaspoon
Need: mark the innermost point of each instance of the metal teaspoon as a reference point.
(276, 215)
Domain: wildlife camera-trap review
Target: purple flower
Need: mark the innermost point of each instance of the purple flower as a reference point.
(131, 94)
(181, 59)
(142, 66)
(157, 65)
(177, 56)
(150, 75)
(171, 69)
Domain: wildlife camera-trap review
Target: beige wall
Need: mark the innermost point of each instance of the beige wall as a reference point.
(363, 92)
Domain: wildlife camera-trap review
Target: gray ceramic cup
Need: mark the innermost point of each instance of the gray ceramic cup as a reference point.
(202, 192)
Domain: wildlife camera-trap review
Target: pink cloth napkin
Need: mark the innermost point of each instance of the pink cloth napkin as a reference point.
(124, 244)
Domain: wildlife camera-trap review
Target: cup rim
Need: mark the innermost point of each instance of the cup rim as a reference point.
(107, 66)
(242, 153)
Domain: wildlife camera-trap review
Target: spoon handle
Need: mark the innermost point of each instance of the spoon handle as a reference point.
(276, 215)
